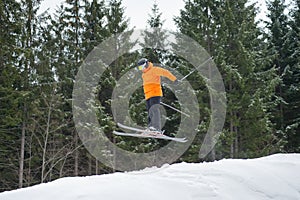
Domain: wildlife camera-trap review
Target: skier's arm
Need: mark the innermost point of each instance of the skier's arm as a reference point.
(165, 73)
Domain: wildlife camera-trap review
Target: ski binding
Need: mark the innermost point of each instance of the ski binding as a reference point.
(140, 133)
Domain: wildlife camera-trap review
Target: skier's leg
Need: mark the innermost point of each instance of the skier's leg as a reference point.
(148, 105)
(154, 113)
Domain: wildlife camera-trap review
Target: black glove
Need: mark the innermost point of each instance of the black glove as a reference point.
(176, 82)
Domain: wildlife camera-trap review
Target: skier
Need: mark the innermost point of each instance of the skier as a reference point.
(153, 91)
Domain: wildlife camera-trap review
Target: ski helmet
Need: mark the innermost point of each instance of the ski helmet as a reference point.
(142, 64)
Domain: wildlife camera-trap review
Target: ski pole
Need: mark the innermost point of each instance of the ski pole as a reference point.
(196, 68)
(175, 109)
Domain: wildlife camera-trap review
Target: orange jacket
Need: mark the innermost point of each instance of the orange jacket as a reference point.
(151, 80)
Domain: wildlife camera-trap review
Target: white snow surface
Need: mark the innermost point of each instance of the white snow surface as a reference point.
(273, 177)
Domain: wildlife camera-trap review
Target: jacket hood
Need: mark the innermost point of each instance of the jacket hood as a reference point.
(148, 68)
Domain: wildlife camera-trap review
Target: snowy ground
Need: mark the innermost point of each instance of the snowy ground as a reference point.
(272, 177)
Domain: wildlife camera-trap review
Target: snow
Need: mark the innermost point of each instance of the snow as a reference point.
(273, 177)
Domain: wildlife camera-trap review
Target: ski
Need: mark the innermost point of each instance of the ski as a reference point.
(147, 135)
(130, 128)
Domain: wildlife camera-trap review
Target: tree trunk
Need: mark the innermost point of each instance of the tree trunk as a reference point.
(97, 167)
(46, 142)
(231, 125)
(76, 155)
(231, 131)
(21, 161)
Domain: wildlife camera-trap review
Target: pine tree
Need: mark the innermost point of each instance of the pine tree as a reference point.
(154, 37)
(38, 65)
(278, 43)
(10, 114)
(116, 25)
(283, 46)
(27, 68)
(249, 86)
(30, 77)
(228, 31)
(95, 20)
(117, 29)
(207, 26)
(71, 54)
(291, 80)
(199, 21)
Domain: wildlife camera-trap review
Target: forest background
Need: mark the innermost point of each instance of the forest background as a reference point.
(40, 56)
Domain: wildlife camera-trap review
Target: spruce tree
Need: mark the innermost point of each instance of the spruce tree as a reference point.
(11, 96)
(119, 33)
(229, 32)
(202, 21)
(278, 49)
(27, 68)
(198, 20)
(283, 41)
(291, 80)
(249, 87)
(95, 24)
(154, 37)
(70, 28)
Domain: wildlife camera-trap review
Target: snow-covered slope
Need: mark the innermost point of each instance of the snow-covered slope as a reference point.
(272, 177)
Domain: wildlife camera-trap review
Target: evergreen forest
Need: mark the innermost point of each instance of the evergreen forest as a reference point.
(40, 55)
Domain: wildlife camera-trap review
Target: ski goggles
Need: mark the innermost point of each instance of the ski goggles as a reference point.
(142, 66)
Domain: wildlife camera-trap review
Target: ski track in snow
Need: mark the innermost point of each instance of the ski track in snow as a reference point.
(274, 177)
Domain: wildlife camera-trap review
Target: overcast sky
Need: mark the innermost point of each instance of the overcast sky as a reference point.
(138, 10)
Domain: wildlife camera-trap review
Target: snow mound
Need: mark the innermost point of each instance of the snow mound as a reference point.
(272, 177)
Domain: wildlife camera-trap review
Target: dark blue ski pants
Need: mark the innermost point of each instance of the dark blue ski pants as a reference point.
(154, 120)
